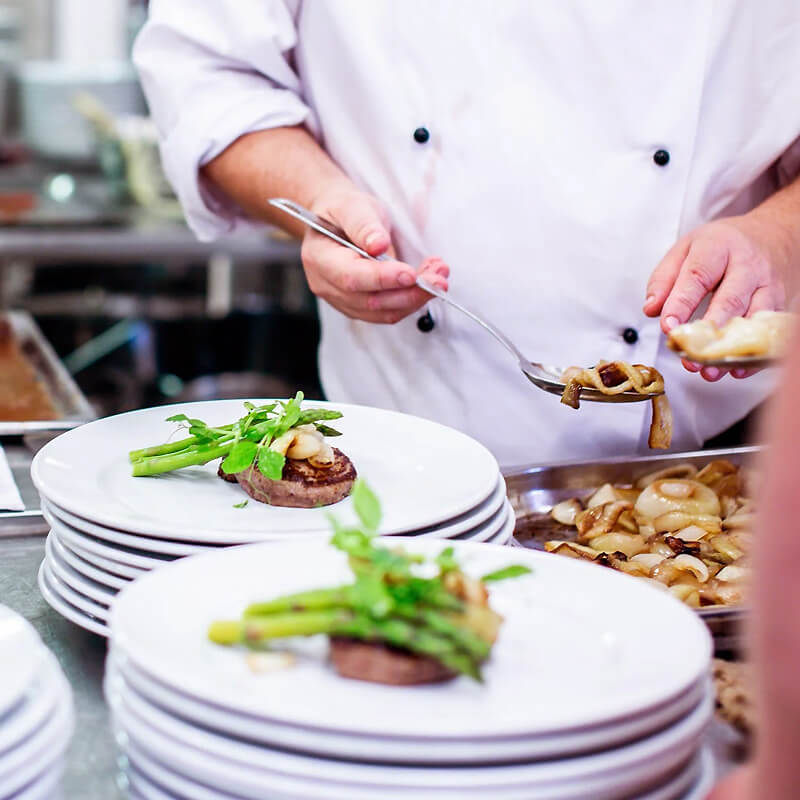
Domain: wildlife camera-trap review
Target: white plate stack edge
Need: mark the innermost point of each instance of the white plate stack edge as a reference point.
(36, 713)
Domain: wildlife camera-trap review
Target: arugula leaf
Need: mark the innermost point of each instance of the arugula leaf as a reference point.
(513, 571)
(366, 505)
(446, 560)
(240, 505)
(240, 457)
(270, 463)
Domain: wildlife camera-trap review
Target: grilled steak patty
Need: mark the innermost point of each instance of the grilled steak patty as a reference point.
(302, 485)
(379, 663)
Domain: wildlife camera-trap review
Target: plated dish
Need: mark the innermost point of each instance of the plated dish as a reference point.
(764, 335)
(685, 529)
(277, 452)
(616, 377)
(403, 620)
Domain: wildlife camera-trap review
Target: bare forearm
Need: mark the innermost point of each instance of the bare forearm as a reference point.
(282, 162)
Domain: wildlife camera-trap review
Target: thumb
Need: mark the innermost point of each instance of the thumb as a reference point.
(364, 223)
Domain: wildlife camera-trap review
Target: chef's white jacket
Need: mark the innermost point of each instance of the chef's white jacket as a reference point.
(538, 181)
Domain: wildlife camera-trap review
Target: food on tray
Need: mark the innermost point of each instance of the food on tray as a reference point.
(401, 621)
(22, 395)
(764, 334)
(276, 452)
(734, 685)
(683, 529)
(615, 377)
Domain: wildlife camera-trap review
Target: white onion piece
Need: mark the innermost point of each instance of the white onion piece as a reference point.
(304, 445)
(678, 520)
(605, 494)
(692, 564)
(692, 533)
(283, 443)
(675, 471)
(732, 573)
(650, 560)
(676, 489)
(324, 458)
(628, 543)
(566, 511)
(690, 497)
(260, 662)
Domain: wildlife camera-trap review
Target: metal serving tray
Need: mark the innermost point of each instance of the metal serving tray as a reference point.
(73, 408)
(533, 491)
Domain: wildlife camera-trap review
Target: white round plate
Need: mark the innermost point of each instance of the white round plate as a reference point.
(41, 751)
(244, 768)
(38, 704)
(63, 571)
(565, 621)
(118, 554)
(46, 786)
(488, 509)
(88, 553)
(67, 610)
(85, 568)
(81, 601)
(21, 654)
(482, 533)
(124, 679)
(86, 471)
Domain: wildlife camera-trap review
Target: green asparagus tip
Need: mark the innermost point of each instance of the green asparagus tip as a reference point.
(226, 632)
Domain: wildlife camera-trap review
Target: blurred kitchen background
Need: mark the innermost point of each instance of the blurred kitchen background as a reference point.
(93, 244)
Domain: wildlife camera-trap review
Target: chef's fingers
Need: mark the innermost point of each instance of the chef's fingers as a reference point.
(365, 223)
(767, 298)
(407, 300)
(701, 271)
(347, 270)
(713, 374)
(664, 276)
(385, 307)
(691, 366)
(733, 296)
(743, 373)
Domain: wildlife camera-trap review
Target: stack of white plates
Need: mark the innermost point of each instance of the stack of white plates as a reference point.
(108, 528)
(596, 688)
(36, 717)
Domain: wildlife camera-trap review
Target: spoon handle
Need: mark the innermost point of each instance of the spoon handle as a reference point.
(496, 332)
(323, 226)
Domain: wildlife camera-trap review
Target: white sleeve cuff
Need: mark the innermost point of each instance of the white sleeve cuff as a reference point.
(252, 104)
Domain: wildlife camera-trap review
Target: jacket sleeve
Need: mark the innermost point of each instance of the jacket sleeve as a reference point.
(212, 71)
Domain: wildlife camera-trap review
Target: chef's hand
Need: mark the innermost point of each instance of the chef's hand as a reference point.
(740, 261)
(375, 291)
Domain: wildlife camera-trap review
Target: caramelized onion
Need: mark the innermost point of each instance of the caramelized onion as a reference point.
(698, 499)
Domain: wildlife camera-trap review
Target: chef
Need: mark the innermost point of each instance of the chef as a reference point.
(592, 173)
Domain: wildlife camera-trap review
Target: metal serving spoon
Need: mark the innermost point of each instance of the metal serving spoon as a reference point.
(544, 376)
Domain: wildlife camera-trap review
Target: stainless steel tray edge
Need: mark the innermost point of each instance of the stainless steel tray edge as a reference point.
(63, 389)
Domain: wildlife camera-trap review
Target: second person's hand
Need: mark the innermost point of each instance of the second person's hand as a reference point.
(373, 291)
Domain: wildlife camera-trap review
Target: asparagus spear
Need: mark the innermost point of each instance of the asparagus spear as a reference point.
(346, 622)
